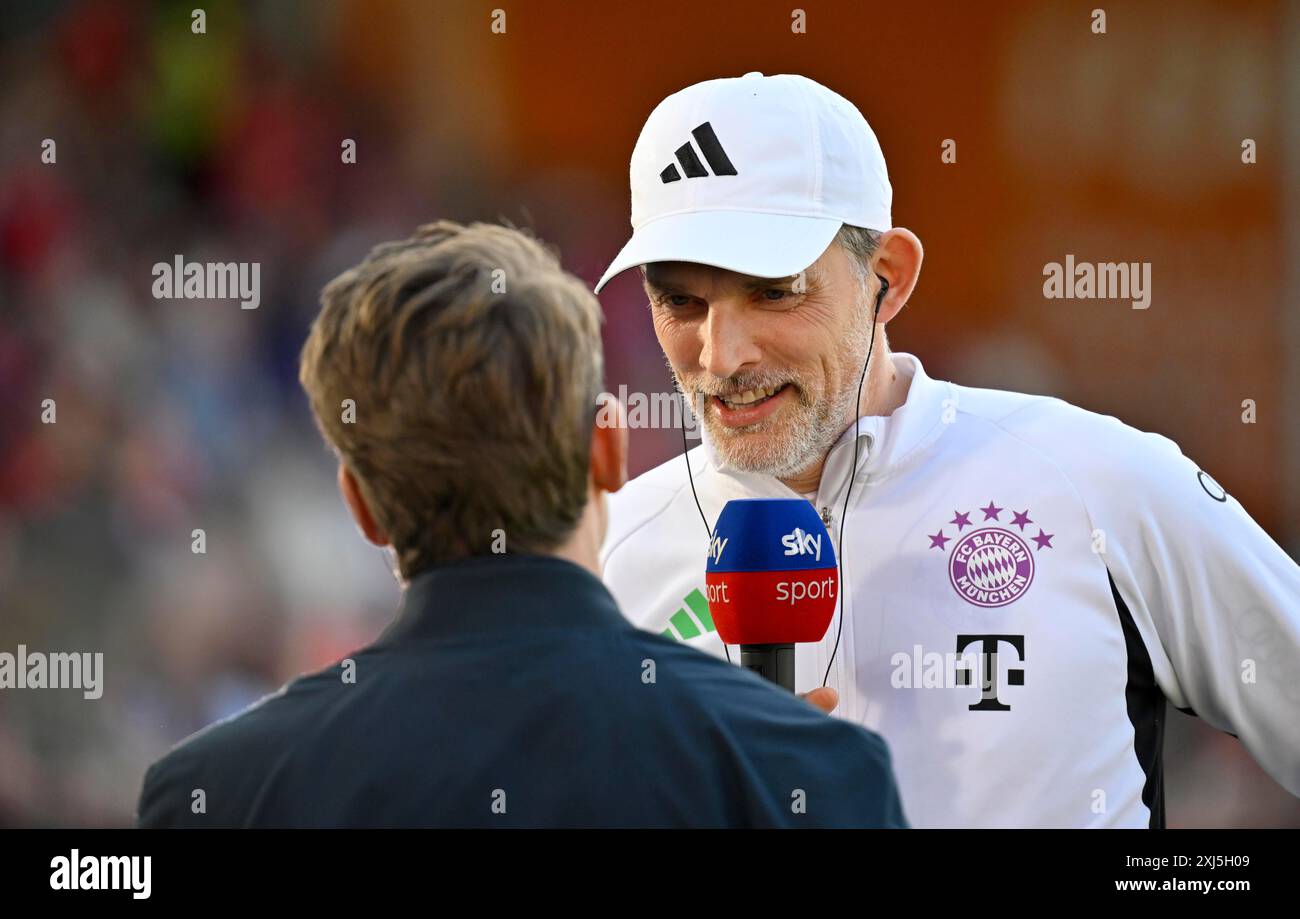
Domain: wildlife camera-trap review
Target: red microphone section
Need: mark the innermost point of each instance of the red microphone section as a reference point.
(771, 576)
(772, 607)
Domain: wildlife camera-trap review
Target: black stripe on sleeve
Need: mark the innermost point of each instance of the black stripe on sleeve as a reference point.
(1146, 710)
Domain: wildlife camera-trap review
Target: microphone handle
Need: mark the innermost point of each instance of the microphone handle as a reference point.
(774, 663)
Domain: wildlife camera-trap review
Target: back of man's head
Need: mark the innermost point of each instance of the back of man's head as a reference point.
(456, 374)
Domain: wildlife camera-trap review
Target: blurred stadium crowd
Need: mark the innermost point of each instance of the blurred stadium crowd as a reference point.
(174, 416)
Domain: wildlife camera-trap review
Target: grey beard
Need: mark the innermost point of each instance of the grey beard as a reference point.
(808, 445)
(811, 445)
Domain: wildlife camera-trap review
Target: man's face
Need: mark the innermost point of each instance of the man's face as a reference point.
(777, 367)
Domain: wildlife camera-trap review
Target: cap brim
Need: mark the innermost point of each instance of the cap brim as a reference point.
(748, 242)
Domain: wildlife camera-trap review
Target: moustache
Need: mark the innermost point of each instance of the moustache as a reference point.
(733, 386)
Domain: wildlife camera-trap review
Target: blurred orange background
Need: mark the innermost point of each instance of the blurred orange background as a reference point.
(1125, 146)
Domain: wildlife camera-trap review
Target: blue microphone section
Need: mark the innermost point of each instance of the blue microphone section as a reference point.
(769, 534)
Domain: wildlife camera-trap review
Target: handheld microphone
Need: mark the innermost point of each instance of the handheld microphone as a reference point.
(771, 581)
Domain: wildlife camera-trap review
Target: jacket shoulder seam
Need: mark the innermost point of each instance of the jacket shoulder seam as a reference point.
(998, 424)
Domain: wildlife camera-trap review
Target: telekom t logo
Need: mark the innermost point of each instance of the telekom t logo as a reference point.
(989, 664)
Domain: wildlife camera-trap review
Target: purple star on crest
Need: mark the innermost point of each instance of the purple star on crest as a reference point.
(962, 520)
(1021, 518)
(991, 512)
(1044, 539)
(937, 540)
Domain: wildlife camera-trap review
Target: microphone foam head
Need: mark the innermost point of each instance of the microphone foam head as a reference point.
(771, 575)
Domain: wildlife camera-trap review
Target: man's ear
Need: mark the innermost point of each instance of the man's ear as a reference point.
(356, 502)
(898, 259)
(609, 445)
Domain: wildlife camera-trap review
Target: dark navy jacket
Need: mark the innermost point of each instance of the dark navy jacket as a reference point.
(510, 692)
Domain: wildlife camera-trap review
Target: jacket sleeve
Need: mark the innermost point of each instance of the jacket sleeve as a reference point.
(806, 768)
(1215, 599)
(857, 787)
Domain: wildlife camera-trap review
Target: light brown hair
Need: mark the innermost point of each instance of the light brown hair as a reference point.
(475, 363)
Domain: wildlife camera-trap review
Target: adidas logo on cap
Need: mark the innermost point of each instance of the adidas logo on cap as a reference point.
(710, 146)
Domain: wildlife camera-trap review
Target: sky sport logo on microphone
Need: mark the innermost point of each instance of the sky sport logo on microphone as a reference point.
(800, 543)
(771, 575)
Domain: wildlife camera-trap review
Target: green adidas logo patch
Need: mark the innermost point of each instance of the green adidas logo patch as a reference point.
(690, 620)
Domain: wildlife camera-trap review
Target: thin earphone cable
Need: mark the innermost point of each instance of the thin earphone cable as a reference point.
(691, 478)
(853, 472)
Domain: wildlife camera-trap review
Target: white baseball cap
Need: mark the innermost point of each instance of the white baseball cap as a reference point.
(753, 174)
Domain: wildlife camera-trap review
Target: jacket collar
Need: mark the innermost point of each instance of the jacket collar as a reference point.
(506, 593)
(885, 443)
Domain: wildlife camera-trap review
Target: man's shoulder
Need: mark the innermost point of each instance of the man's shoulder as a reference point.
(1102, 457)
(649, 497)
(776, 744)
(292, 701)
(1059, 429)
(751, 709)
(240, 744)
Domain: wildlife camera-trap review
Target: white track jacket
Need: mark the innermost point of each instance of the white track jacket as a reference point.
(1025, 584)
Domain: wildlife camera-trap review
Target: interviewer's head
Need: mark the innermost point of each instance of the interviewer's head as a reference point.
(475, 366)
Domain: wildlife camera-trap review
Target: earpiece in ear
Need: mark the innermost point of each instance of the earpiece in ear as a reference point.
(884, 289)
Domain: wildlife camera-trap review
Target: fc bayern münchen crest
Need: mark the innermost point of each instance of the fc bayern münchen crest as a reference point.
(991, 565)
